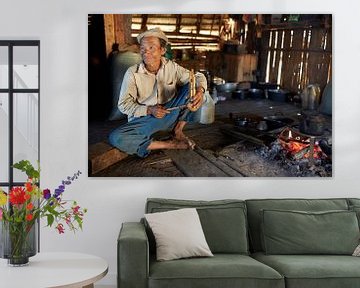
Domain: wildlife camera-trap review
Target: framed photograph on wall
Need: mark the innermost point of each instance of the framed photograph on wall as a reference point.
(210, 95)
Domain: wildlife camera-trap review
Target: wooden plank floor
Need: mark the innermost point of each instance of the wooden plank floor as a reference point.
(217, 154)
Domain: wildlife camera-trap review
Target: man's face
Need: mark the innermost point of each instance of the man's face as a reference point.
(151, 51)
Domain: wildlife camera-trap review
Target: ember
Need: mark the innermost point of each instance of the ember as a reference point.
(299, 146)
(292, 152)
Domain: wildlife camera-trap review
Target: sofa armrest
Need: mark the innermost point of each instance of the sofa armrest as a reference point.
(133, 256)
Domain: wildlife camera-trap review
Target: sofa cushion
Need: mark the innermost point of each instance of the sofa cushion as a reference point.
(353, 201)
(254, 217)
(298, 232)
(356, 209)
(222, 270)
(223, 221)
(313, 271)
(178, 234)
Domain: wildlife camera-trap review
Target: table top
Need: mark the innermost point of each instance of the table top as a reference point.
(60, 269)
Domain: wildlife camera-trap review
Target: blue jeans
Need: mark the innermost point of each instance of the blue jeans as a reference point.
(134, 137)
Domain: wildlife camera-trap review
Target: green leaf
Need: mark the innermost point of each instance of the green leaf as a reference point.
(28, 168)
(50, 219)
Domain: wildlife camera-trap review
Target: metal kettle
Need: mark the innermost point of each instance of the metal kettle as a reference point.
(312, 125)
(310, 97)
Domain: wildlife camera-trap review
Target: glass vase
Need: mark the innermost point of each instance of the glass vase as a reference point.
(18, 242)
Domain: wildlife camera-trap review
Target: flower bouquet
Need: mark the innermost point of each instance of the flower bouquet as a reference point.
(21, 208)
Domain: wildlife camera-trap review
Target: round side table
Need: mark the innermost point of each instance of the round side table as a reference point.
(50, 270)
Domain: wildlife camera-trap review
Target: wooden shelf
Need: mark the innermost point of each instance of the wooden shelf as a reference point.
(293, 25)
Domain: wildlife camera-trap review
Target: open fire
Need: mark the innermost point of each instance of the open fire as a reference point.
(300, 146)
(292, 151)
(285, 148)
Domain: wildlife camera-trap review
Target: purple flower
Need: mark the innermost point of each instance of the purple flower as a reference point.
(46, 194)
(68, 181)
(58, 192)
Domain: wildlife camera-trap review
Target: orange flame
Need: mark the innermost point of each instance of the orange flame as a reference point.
(294, 143)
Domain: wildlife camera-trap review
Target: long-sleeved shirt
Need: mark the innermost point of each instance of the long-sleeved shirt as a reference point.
(141, 89)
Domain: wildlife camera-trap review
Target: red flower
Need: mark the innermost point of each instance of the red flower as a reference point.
(29, 217)
(60, 228)
(28, 186)
(68, 219)
(27, 196)
(17, 196)
(29, 206)
(75, 209)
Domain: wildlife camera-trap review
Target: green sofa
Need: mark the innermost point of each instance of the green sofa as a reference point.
(275, 243)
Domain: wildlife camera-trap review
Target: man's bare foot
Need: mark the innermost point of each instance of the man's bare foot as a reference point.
(180, 136)
(183, 138)
(169, 144)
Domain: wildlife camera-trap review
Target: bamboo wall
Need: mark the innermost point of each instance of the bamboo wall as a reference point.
(297, 57)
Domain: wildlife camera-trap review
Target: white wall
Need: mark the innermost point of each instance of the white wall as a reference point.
(61, 26)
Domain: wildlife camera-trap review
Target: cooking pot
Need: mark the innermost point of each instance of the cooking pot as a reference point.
(239, 94)
(326, 147)
(255, 93)
(245, 120)
(267, 85)
(283, 119)
(278, 95)
(217, 81)
(241, 121)
(226, 87)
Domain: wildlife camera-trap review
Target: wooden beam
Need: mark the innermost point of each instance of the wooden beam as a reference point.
(198, 23)
(144, 18)
(190, 35)
(186, 41)
(109, 29)
(178, 23)
(102, 155)
(212, 23)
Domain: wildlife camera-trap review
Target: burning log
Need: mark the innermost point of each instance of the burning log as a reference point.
(300, 154)
(299, 146)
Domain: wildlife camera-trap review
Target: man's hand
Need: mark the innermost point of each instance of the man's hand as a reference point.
(157, 111)
(197, 101)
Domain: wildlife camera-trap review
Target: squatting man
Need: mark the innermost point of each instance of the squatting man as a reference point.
(148, 90)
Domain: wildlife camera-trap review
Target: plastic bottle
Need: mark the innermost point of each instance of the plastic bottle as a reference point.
(207, 115)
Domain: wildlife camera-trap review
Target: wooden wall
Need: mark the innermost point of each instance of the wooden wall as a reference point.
(302, 55)
(232, 67)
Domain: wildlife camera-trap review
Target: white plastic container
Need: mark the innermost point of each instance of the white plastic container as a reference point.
(207, 115)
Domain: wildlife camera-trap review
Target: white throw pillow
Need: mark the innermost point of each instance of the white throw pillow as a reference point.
(357, 251)
(178, 234)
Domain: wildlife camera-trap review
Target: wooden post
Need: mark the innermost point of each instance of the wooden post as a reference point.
(117, 30)
(123, 28)
(109, 27)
